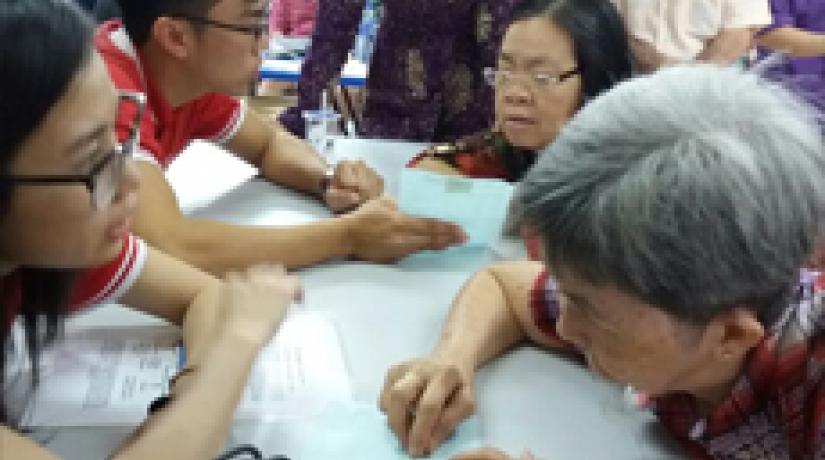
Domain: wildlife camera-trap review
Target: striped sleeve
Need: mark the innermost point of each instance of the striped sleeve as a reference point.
(109, 282)
(219, 117)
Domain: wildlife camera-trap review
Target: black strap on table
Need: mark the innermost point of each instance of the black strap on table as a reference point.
(247, 452)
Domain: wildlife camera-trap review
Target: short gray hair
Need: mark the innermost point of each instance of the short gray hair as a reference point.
(695, 189)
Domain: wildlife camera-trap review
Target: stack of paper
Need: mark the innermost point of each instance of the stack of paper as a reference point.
(109, 376)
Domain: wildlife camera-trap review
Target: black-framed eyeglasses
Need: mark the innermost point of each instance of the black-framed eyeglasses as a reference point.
(105, 177)
(257, 31)
(538, 80)
(248, 451)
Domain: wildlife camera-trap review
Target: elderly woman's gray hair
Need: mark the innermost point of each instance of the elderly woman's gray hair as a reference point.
(696, 189)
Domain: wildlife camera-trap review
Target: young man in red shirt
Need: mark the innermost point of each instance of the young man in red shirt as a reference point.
(189, 57)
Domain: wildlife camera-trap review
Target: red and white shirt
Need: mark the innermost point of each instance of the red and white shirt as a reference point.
(164, 131)
(94, 286)
(109, 282)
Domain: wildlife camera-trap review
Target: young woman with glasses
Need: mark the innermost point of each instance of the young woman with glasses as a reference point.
(67, 193)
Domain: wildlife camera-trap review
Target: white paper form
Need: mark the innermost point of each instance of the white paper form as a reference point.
(109, 376)
(299, 373)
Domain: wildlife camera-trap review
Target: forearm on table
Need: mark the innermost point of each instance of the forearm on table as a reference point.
(194, 425)
(202, 324)
(794, 41)
(289, 161)
(480, 325)
(728, 46)
(219, 247)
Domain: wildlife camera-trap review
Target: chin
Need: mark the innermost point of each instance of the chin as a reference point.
(525, 142)
(241, 86)
(236, 88)
(108, 252)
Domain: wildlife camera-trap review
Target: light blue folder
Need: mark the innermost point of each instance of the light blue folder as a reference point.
(479, 206)
(360, 432)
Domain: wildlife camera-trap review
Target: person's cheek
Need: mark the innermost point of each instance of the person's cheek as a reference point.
(570, 328)
(632, 362)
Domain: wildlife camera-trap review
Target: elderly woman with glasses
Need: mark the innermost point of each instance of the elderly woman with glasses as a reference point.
(556, 55)
(674, 212)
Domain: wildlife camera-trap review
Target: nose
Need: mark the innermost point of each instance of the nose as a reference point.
(516, 93)
(130, 180)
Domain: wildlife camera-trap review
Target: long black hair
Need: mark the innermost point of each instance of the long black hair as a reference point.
(600, 39)
(43, 45)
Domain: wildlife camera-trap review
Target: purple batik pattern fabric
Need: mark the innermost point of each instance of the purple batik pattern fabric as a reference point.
(425, 81)
(805, 75)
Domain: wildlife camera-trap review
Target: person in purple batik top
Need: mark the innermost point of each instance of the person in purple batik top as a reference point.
(425, 80)
(799, 31)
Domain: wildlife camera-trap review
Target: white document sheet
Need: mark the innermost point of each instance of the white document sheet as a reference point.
(109, 376)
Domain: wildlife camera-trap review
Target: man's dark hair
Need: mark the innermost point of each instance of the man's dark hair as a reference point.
(105, 10)
(139, 15)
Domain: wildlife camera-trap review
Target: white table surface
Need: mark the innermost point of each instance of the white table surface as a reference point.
(386, 314)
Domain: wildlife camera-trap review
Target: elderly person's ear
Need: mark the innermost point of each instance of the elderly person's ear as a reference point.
(733, 334)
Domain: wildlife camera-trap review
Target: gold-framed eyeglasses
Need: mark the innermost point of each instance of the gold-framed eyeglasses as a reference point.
(540, 80)
(104, 178)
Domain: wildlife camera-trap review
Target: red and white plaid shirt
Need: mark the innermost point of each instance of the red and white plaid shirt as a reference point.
(776, 409)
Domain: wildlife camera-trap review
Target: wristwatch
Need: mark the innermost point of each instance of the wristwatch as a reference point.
(326, 179)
